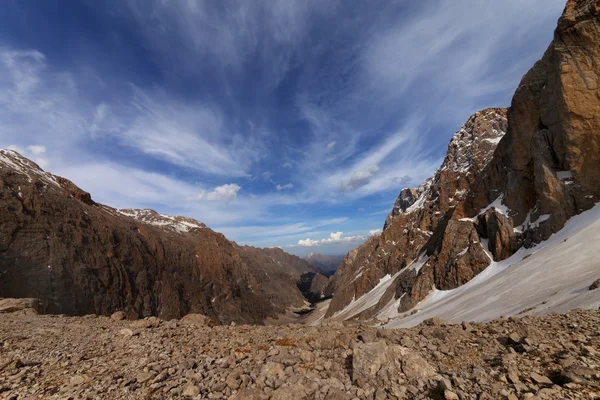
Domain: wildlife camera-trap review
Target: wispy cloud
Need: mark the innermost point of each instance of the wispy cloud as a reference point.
(216, 110)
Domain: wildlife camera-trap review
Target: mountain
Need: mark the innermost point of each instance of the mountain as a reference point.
(510, 179)
(325, 264)
(81, 257)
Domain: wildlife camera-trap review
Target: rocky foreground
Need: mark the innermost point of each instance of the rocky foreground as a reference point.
(59, 357)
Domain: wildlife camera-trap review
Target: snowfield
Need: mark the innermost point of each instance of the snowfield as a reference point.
(553, 276)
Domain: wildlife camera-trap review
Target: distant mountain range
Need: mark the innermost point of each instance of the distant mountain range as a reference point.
(325, 264)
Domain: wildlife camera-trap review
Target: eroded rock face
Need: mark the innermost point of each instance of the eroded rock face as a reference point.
(80, 257)
(510, 178)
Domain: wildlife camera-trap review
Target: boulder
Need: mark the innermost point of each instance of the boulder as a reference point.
(118, 316)
(197, 320)
(379, 359)
(13, 305)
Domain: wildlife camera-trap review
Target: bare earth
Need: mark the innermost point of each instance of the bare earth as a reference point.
(58, 357)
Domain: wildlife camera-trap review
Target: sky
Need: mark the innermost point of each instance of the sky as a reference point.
(278, 122)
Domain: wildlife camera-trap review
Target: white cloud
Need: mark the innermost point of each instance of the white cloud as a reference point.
(287, 165)
(334, 238)
(330, 146)
(284, 187)
(37, 149)
(308, 242)
(359, 179)
(374, 232)
(221, 193)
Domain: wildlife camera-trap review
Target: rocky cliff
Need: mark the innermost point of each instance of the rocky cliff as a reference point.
(510, 178)
(81, 257)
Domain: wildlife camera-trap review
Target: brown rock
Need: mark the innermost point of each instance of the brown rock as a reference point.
(13, 305)
(595, 285)
(371, 359)
(118, 316)
(540, 379)
(191, 391)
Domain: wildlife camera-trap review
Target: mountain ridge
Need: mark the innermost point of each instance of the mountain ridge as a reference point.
(82, 257)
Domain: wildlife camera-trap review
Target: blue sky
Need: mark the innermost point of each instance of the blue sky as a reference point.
(279, 123)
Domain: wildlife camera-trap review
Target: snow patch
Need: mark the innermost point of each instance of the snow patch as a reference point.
(552, 276)
(497, 205)
(367, 300)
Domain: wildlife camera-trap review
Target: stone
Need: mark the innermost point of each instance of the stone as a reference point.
(78, 380)
(191, 391)
(540, 379)
(249, 394)
(595, 285)
(513, 376)
(515, 338)
(289, 393)
(272, 368)
(435, 321)
(196, 319)
(371, 358)
(118, 316)
(126, 332)
(9, 305)
(146, 323)
(449, 395)
(144, 376)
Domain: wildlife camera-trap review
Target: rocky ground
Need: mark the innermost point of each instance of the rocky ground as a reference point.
(93, 357)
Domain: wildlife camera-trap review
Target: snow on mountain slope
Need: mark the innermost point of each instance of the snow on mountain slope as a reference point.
(169, 222)
(553, 276)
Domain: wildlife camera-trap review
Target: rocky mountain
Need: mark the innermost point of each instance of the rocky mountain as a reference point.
(325, 264)
(510, 179)
(81, 257)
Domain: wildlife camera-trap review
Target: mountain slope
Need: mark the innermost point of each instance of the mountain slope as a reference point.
(515, 191)
(553, 276)
(326, 265)
(82, 257)
(420, 216)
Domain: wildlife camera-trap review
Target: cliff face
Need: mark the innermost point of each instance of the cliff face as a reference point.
(510, 179)
(420, 217)
(81, 257)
